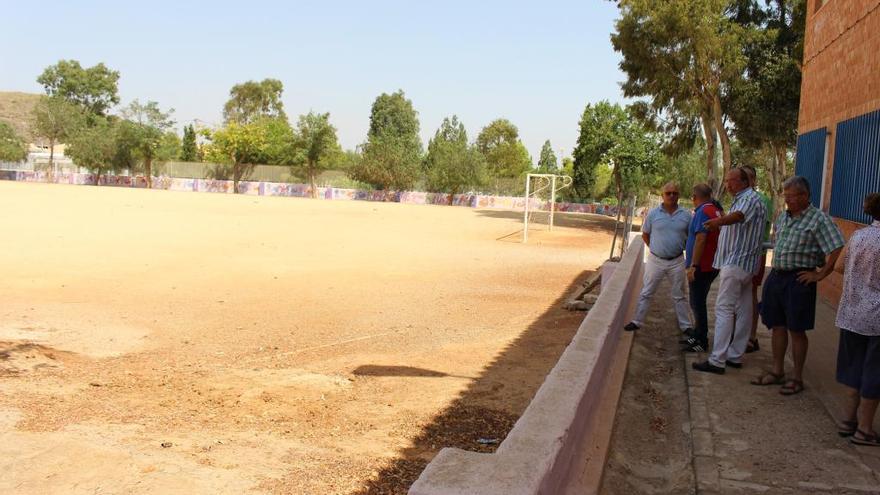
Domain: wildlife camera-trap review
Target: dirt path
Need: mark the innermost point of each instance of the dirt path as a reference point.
(161, 342)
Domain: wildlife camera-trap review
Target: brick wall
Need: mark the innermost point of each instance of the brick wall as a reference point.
(841, 80)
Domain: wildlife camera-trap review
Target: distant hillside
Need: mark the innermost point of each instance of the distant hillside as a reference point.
(15, 109)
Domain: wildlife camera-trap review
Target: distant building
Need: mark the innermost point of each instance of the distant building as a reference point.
(838, 148)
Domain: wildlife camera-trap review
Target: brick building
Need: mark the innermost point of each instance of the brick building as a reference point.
(838, 147)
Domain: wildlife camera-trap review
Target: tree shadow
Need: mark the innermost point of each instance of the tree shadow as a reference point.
(409, 371)
(482, 416)
(586, 221)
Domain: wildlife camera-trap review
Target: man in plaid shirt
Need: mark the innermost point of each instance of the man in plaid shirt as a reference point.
(808, 244)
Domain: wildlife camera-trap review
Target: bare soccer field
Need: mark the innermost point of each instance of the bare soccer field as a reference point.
(161, 342)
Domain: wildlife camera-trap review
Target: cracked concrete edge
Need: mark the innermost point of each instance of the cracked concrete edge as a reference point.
(707, 476)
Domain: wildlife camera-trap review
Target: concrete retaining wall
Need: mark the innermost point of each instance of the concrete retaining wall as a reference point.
(304, 191)
(545, 451)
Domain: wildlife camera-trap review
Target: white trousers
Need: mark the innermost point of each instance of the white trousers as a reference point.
(655, 270)
(734, 302)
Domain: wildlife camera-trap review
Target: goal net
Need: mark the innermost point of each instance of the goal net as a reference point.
(542, 191)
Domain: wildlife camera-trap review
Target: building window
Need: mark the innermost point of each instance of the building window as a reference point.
(856, 166)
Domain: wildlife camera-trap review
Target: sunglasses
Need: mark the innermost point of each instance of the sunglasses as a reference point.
(670, 194)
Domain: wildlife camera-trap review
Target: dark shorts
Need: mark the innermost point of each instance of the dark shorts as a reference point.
(788, 303)
(858, 363)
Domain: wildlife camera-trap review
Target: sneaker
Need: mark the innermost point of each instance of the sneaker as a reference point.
(630, 327)
(733, 364)
(708, 367)
(695, 347)
(689, 341)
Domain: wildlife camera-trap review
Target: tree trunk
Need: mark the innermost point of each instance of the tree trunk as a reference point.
(777, 175)
(722, 133)
(52, 157)
(235, 168)
(711, 146)
(148, 168)
(312, 184)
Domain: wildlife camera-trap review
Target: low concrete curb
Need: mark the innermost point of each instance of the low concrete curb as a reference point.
(553, 445)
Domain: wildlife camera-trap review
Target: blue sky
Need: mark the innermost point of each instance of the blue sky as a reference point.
(535, 63)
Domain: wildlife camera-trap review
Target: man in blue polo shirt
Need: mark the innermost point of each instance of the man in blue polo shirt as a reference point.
(665, 232)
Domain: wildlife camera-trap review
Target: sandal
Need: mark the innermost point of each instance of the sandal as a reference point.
(847, 428)
(752, 346)
(792, 387)
(768, 378)
(867, 439)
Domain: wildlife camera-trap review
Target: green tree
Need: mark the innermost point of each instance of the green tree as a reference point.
(316, 147)
(56, 120)
(143, 132)
(547, 163)
(189, 151)
(600, 128)
(611, 136)
(97, 148)
(243, 146)
(12, 147)
(681, 54)
(392, 153)
(252, 100)
(506, 156)
(764, 103)
(93, 88)
(451, 165)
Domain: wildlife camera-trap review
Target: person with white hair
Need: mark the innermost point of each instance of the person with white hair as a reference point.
(807, 245)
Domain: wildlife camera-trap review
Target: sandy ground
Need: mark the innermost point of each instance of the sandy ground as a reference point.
(162, 342)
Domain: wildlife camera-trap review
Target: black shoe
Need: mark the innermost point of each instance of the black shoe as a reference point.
(752, 346)
(733, 364)
(708, 367)
(689, 341)
(688, 333)
(630, 327)
(696, 347)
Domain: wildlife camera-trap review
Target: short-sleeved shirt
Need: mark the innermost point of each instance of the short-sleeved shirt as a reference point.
(803, 241)
(668, 231)
(860, 301)
(740, 244)
(702, 214)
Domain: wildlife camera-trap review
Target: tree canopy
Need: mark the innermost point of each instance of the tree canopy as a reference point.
(611, 135)
(547, 163)
(506, 156)
(56, 120)
(142, 134)
(189, 151)
(452, 165)
(393, 151)
(12, 146)
(93, 88)
(252, 100)
(316, 147)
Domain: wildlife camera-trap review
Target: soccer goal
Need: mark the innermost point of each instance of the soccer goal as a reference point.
(541, 191)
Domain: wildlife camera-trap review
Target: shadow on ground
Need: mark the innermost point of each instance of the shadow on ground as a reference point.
(478, 420)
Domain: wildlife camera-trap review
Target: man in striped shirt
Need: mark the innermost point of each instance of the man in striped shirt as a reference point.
(739, 248)
(808, 244)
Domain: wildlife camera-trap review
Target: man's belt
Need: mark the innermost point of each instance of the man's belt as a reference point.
(667, 259)
(794, 270)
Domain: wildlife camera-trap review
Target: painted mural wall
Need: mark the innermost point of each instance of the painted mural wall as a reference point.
(304, 191)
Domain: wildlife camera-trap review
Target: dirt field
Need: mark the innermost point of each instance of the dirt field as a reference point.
(162, 342)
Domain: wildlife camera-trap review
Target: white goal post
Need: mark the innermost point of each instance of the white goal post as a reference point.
(535, 185)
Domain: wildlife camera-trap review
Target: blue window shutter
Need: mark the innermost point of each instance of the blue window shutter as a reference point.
(809, 161)
(856, 166)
